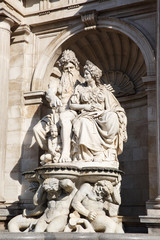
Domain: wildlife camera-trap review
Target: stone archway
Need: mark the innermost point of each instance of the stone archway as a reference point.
(55, 48)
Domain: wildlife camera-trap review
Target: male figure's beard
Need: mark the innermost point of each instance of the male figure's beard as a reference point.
(68, 80)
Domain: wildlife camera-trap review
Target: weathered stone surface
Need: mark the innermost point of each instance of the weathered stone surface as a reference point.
(124, 41)
(77, 189)
(76, 236)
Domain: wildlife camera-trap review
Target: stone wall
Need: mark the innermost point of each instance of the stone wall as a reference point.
(134, 162)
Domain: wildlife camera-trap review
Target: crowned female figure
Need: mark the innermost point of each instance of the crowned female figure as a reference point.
(100, 129)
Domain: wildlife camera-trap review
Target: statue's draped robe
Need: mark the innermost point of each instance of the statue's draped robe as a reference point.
(100, 130)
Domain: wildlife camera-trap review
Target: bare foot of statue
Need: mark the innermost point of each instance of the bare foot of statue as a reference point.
(64, 158)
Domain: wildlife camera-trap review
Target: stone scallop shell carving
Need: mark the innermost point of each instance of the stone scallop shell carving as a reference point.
(115, 54)
(121, 83)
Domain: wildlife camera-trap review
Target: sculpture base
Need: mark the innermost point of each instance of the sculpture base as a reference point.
(81, 198)
(85, 172)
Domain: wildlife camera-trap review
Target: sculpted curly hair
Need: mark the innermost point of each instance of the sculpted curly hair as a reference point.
(95, 72)
(68, 56)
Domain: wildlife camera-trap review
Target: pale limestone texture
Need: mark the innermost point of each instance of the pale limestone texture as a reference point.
(58, 195)
(86, 130)
(5, 25)
(122, 39)
(89, 119)
(58, 94)
(100, 129)
(93, 201)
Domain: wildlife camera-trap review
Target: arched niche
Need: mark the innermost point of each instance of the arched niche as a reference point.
(138, 53)
(115, 27)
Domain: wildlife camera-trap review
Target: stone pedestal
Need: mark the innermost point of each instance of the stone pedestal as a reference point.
(152, 219)
(74, 180)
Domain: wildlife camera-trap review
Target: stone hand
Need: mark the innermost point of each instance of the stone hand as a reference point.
(92, 215)
(87, 107)
(96, 107)
(56, 102)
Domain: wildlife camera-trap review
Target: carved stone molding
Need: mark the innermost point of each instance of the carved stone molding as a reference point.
(7, 11)
(89, 19)
(34, 97)
(80, 47)
(75, 172)
(44, 4)
(150, 83)
(21, 34)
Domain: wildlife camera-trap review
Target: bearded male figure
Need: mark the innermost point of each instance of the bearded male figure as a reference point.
(91, 201)
(61, 87)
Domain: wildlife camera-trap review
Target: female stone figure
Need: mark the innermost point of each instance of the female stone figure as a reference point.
(100, 128)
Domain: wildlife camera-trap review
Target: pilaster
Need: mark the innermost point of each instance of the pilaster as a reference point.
(150, 84)
(5, 26)
(152, 219)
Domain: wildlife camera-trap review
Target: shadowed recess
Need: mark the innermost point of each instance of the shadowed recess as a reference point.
(117, 55)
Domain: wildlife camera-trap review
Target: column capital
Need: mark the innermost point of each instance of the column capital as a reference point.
(6, 12)
(6, 23)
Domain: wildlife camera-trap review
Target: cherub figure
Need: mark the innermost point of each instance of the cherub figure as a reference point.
(54, 146)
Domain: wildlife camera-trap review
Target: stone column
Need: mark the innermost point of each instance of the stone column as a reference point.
(5, 25)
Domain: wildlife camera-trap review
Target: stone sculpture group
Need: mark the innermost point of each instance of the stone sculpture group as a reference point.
(79, 178)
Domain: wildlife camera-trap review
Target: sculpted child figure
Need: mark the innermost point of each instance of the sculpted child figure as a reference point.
(54, 146)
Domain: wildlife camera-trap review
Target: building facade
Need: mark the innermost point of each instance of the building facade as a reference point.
(122, 39)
